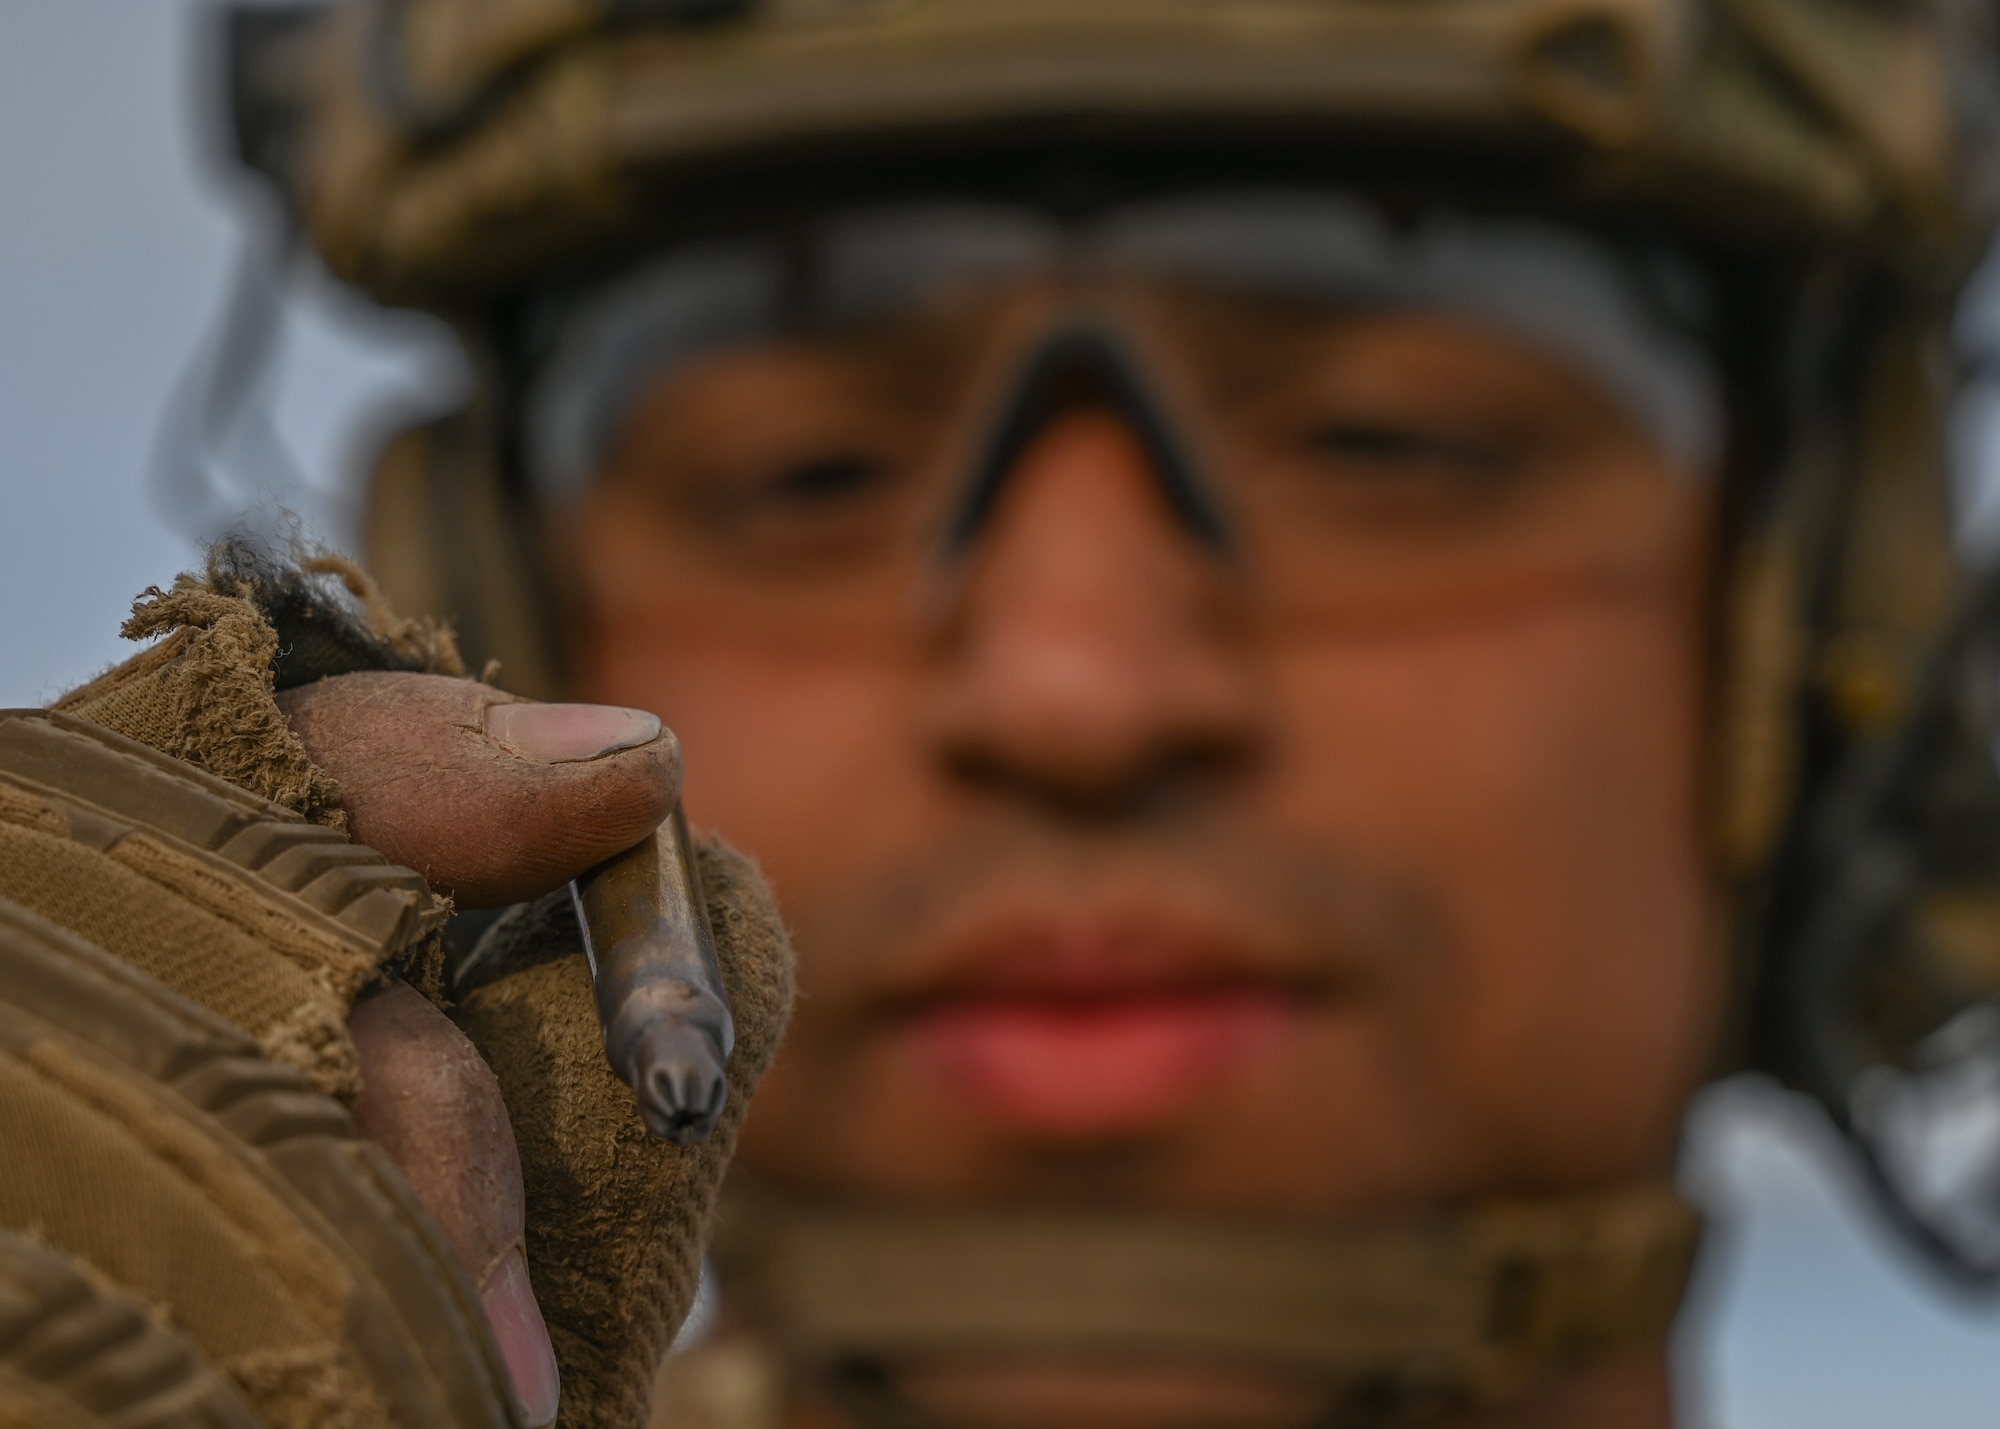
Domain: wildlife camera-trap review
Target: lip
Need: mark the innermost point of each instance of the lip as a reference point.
(1080, 1026)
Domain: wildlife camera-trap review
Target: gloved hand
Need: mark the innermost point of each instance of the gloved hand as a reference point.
(614, 1217)
(180, 961)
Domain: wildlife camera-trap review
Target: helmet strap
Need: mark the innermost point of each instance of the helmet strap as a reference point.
(1397, 1319)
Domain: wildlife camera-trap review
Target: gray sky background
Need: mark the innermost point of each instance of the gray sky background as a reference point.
(116, 240)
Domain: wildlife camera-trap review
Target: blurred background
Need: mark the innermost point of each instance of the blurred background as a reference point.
(118, 242)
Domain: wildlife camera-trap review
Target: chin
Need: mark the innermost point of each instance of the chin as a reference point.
(1010, 1394)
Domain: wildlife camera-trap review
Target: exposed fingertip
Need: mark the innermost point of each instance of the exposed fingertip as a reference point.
(565, 734)
(517, 1324)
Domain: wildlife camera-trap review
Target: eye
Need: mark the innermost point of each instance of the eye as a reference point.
(812, 501)
(1390, 451)
(811, 486)
(827, 479)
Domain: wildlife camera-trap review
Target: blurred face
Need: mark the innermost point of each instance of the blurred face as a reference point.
(1353, 863)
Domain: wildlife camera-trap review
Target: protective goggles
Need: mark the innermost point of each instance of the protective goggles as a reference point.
(1352, 416)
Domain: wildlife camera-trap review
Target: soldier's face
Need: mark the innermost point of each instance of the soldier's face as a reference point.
(1359, 866)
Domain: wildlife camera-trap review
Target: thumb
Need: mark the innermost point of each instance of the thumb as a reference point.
(493, 799)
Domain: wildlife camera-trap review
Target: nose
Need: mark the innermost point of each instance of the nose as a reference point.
(1092, 655)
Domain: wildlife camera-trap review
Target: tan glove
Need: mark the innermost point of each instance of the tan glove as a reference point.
(212, 1172)
(174, 955)
(616, 1217)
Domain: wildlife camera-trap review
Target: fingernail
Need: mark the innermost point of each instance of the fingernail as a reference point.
(524, 1340)
(560, 734)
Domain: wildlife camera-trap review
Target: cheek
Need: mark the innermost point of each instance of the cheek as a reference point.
(779, 752)
(781, 743)
(1541, 780)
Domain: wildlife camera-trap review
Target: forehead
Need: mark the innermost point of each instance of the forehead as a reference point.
(1202, 350)
(1624, 319)
(1301, 244)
